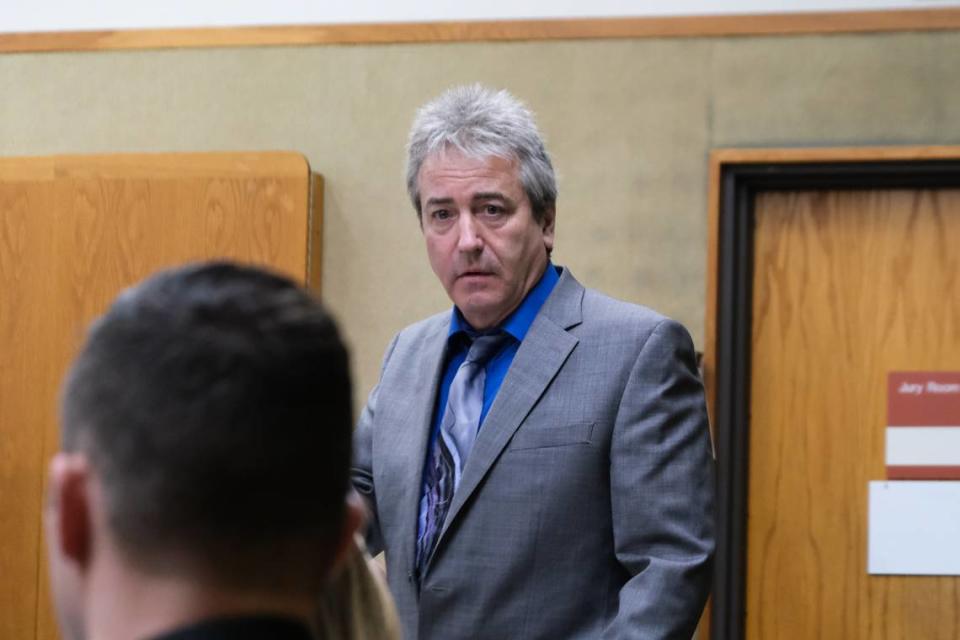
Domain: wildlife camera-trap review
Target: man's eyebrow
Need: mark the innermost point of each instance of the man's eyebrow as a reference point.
(491, 195)
(434, 201)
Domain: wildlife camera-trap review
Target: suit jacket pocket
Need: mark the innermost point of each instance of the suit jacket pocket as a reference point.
(539, 437)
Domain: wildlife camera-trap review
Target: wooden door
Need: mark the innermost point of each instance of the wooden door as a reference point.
(828, 268)
(847, 286)
(73, 232)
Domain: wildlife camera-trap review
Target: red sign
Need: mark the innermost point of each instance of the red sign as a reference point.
(923, 398)
(923, 425)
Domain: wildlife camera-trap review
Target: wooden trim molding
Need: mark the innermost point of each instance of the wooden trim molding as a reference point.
(315, 235)
(736, 177)
(721, 157)
(286, 164)
(490, 30)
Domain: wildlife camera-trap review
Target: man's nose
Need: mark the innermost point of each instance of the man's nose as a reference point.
(469, 239)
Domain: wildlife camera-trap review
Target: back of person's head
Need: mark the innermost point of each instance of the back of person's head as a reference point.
(213, 404)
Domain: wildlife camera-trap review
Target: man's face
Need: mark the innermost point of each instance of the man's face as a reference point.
(482, 239)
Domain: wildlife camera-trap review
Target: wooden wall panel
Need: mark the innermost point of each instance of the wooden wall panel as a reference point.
(24, 403)
(490, 30)
(847, 286)
(73, 233)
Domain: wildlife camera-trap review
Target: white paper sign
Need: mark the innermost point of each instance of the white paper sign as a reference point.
(914, 528)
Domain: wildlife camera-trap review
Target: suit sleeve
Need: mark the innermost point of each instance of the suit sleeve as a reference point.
(662, 491)
(363, 460)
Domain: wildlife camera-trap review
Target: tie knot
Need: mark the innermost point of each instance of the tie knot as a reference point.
(486, 346)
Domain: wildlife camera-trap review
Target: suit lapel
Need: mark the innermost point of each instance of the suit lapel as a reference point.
(540, 356)
(407, 440)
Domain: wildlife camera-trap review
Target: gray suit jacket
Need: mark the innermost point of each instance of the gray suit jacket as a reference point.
(586, 506)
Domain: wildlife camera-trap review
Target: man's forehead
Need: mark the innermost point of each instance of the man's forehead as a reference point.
(443, 174)
(450, 158)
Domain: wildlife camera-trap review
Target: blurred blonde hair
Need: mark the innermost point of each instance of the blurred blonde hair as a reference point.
(356, 605)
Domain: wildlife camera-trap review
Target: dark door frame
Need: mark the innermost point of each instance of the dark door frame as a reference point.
(736, 185)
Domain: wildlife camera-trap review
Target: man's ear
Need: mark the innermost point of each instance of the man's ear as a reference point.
(548, 225)
(69, 505)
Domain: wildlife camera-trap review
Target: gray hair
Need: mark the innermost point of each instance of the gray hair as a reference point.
(480, 122)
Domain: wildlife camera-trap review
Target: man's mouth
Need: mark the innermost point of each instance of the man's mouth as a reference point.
(475, 278)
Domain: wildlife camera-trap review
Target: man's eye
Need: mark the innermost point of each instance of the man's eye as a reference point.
(440, 214)
(493, 210)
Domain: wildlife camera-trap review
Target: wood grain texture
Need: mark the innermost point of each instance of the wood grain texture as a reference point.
(489, 30)
(25, 404)
(712, 271)
(709, 364)
(314, 248)
(153, 166)
(720, 157)
(73, 233)
(847, 286)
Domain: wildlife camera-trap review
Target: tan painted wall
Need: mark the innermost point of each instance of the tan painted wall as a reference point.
(629, 123)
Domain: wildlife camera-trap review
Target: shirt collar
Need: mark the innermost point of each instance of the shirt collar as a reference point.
(518, 323)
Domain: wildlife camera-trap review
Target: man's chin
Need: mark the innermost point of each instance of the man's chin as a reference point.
(478, 310)
(483, 309)
(476, 290)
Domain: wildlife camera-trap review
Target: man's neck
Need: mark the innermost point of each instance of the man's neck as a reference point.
(126, 604)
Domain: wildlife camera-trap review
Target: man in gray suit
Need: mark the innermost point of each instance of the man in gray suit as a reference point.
(537, 460)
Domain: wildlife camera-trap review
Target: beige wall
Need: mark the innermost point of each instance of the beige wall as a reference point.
(629, 123)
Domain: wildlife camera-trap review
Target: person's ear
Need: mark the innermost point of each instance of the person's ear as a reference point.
(547, 225)
(69, 507)
(354, 517)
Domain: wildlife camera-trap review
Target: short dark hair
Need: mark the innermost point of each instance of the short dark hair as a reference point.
(214, 402)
